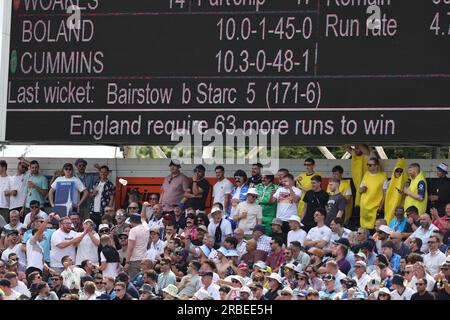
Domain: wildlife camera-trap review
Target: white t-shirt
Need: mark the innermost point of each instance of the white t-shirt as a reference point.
(155, 249)
(5, 185)
(225, 227)
(56, 253)
(98, 197)
(405, 296)
(14, 295)
(322, 233)
(254, 213)
(35, 254)
(213, 291)
(298, 235)
(21, 288)
(18, 183)
(345, 234)
(17, 249)
(78, 187)
(41, 214)
(286, 206)
(112, 268)
(87, 250)
(220, 189)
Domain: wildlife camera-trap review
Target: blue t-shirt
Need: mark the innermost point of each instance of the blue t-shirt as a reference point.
(398, 226)
(44, 243)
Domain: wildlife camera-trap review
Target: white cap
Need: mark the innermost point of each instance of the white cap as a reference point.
(103, 226)
(361, 255)
(443, 167)
(246, 290)
(296, 218)
(384, 290)
(215, 209)
(385, 229)
(276, 277)
(202, 294)
(253, 191)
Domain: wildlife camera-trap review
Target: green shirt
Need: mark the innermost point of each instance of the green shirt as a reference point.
(32, 193)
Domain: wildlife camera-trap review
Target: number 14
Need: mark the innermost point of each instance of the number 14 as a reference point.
(177, 2)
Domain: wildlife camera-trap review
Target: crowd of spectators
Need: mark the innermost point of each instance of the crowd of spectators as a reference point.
(266, 237)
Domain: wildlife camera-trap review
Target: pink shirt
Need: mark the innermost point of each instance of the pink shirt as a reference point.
(173, 190)
(141, 235)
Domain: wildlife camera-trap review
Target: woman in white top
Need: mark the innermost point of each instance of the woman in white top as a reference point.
(109, 258)
(88, 247)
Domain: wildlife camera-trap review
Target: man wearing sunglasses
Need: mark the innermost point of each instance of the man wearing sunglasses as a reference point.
(72, 186)
(34, 214)
(372, 195)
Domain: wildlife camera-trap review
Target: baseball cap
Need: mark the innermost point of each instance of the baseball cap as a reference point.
(215, 209)
(290, 266)
(146, 288)
(342, 241)
(361, 264)
(260, 264)
(10, 232)
(175, 162)
(399, 210)
(385, 229)
(203, 228)
(180, 205)
(361, 255)
(103, 226)
(253, 191)
(442, 167)
(167, 216)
